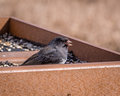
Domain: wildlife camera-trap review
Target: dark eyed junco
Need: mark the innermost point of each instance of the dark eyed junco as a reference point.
(54, 53)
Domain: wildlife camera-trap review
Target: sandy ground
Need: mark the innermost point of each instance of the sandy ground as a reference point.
(94, 21)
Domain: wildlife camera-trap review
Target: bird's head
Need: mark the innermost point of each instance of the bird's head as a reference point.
(61, 42)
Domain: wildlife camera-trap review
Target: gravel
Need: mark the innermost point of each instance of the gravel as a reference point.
(10, 43)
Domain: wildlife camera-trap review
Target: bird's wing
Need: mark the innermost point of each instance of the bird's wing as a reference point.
(29, 61)
(47, 55)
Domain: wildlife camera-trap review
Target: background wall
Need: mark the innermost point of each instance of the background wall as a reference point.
(95, 21)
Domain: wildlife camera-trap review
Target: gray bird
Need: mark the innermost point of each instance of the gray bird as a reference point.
(54, 53)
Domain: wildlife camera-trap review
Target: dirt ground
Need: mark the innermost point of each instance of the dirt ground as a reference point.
(94, 21)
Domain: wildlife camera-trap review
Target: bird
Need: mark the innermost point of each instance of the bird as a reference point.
(54, 53)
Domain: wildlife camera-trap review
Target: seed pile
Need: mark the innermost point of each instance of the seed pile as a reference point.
(6, 64)
(73, 59)
(10, 43)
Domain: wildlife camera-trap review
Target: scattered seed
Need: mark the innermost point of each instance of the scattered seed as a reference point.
(9, 50)
(7, 64)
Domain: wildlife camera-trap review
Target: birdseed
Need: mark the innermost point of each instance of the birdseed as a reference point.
(10, 43)
(7, 64)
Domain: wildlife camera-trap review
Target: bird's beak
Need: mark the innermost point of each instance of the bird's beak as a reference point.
(69, 43)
